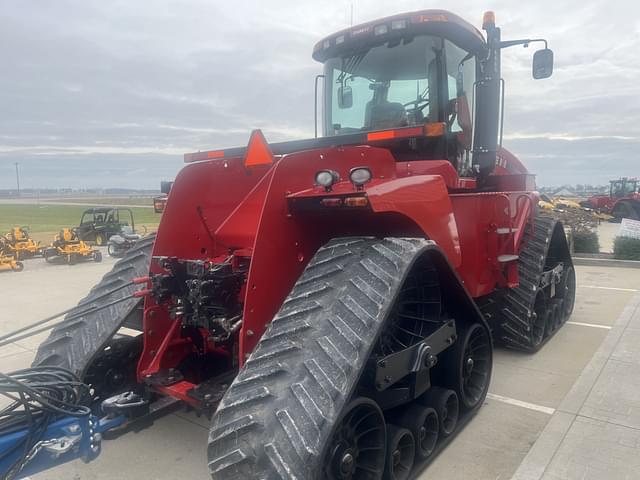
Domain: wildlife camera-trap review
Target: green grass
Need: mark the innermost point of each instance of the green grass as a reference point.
(107, 201)
(51, 218)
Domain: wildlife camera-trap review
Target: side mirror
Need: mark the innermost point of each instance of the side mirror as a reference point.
(542, 64)
(165, 187)
(345, 97)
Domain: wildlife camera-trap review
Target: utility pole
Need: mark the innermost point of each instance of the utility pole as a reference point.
(17, 178)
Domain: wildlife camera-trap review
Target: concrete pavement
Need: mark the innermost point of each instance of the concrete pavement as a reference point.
(595, 432)
(526, 395)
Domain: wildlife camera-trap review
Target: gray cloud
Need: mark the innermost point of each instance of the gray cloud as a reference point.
(115, 91)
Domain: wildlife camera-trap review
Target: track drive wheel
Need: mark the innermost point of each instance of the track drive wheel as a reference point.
(467, 365)
(286, 413)
(18, 267)
(400, 453)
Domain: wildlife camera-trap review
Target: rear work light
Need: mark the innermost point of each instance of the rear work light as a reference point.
(326, 178)
(359, 176)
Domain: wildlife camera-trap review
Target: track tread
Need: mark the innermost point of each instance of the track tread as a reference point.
(513, 318)
(318, 366)
(74, 343)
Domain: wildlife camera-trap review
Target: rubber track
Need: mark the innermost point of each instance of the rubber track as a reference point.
(279, 412)
(514, 317)
(74, 344)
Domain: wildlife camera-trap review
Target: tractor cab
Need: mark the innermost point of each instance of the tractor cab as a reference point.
(623, 187)
(428, 72)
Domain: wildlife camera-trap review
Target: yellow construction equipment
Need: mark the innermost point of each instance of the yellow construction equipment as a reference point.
(561, 205)
(8, 261)
(66, 246)
(21, 245)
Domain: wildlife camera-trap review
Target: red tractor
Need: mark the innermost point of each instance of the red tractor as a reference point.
(623, 200)
(333, 302)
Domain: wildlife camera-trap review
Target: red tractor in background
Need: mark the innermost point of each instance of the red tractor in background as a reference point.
(623, 200)
(333, 302)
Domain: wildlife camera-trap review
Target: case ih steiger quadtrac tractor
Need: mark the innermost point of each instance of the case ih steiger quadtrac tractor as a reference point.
(333, 302)
(623, 200)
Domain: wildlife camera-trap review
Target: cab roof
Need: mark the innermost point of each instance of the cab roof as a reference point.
(440, 23)
(103, 209)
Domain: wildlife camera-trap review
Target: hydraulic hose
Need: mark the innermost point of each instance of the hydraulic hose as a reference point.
(75, 312)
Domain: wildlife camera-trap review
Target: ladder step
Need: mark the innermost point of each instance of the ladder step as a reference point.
(507, 258)
(505, 230)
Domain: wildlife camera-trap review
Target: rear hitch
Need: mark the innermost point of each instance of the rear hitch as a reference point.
(129, 404)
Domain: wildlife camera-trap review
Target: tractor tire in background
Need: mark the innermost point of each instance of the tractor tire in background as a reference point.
(76, 342)
(18, 267)
(526, 317)
(301, 406)
(100, 240)
(626, 209)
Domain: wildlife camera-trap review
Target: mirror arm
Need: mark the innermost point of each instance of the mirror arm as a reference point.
(525, 42)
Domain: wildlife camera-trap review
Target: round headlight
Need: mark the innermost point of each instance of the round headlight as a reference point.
(326, 178)
(359, 176)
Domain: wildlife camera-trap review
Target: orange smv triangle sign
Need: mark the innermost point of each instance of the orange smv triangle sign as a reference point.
(258, 152)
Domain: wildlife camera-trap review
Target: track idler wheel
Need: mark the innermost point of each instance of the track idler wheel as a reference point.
(539, 325)
(467, 365)
(359, 443)
(558, 313)
(567, 292)
(445, 403)
(423, 424)
(401, 451)
(554, 317)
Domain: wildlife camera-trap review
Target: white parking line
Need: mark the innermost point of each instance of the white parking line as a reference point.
(592, 325)
(618, 289)
(520, 403)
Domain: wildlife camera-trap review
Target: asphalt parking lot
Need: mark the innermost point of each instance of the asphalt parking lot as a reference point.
(525, 392)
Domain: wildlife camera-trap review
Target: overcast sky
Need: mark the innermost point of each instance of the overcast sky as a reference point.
(112, 93)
